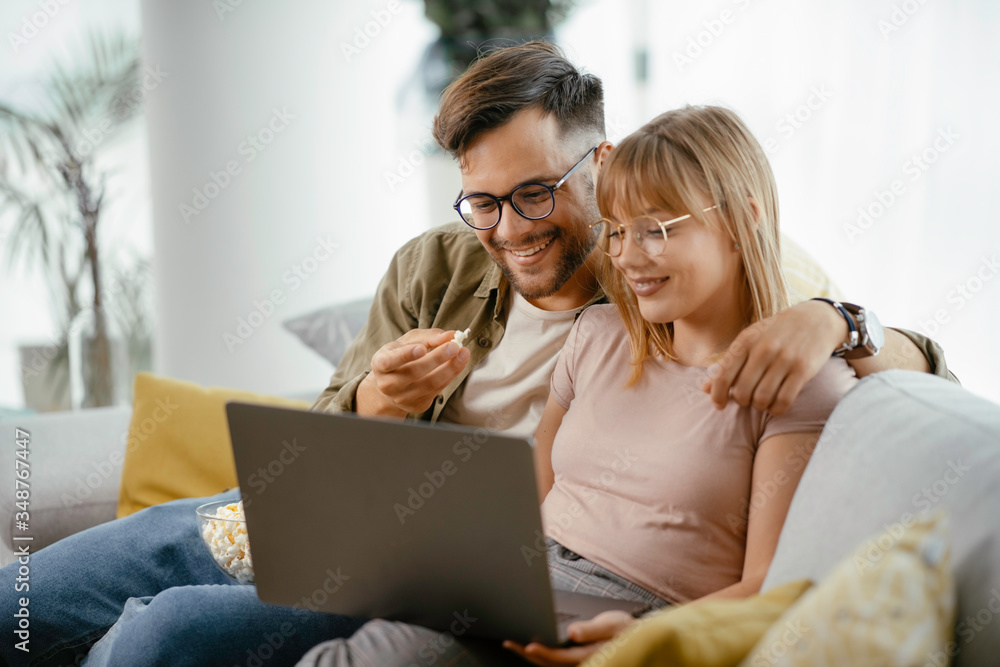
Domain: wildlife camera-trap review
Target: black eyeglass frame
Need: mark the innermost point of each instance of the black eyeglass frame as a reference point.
(510, 197)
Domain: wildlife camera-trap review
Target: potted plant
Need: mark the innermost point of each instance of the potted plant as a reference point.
(469, 25)
(50, 180)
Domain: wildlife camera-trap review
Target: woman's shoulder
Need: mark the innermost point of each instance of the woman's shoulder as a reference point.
(835, 374)
(822, 393)
(595, 326)
(600, 316)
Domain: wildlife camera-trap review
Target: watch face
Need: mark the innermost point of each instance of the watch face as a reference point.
(876, 334)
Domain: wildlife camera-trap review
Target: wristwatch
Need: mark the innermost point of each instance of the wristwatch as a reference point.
(870, 330)
(865, 334)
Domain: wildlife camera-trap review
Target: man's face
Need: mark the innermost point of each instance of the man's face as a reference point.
(539, 257)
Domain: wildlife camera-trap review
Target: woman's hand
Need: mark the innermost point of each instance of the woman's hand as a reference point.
(591, 635)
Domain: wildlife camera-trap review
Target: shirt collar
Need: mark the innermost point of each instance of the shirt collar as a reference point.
(492, 280)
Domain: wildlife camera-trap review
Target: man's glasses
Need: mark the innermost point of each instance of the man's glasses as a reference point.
(533, 201)
(648, 233)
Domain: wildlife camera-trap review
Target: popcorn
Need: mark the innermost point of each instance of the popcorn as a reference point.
(227, 541)
(461, 336)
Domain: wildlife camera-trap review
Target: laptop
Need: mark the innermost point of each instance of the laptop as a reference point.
(435, 525)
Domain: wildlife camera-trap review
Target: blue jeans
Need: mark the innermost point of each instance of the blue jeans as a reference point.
(150, 576)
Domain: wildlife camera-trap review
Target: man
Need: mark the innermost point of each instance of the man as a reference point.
(528, 131)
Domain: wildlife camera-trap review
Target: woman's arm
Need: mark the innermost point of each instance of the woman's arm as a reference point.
(545, 435)
(777, 468)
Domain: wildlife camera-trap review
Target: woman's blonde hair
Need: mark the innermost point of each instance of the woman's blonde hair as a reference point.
(673, 163)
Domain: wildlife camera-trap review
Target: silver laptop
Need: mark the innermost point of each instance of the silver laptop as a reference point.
(436, 525)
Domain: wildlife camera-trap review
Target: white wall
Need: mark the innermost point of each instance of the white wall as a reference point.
(321, 177)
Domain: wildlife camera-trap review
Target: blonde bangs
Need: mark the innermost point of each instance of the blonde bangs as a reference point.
(644, 173)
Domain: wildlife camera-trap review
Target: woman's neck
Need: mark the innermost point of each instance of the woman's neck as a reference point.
(701, 338)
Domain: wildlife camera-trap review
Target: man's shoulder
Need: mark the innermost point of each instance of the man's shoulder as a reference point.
(453, 245)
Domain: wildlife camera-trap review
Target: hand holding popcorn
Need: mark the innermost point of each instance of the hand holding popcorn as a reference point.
(409, 373)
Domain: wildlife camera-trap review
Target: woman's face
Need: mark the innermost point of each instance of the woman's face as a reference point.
(697, 277)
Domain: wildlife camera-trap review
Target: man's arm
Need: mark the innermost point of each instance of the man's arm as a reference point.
(898, 352)
(408, 374)
(398, 363)
(391, 315)
(910, 350)
(770, 361)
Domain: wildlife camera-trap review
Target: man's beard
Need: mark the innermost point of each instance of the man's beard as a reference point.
(575, 250)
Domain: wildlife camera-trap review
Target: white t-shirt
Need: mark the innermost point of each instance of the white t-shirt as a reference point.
(507, 391)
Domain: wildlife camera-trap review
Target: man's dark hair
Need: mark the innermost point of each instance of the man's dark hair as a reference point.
(511, 79)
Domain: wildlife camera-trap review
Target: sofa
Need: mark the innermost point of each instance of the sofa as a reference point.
(900, 443)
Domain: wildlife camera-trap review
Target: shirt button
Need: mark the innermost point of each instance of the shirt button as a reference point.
(484, 342)
(439, 399)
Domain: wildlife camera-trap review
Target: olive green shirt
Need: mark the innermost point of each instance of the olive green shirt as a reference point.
(445, 279)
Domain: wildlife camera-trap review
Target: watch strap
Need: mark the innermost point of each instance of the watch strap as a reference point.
(865, 347)
(853, 338)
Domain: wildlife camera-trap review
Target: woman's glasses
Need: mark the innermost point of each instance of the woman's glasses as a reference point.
(648, 233)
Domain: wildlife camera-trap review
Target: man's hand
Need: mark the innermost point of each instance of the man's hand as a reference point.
(408, 373)
(770, 361)
(591, 634)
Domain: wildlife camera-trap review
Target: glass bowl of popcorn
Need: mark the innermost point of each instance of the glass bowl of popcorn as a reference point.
(223, 529)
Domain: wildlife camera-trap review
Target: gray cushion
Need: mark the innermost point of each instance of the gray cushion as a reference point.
(328, 331)
(898, 444)
(76, 469)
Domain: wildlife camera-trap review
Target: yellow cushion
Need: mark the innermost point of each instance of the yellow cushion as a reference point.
(890, 602)
(178, 442)
(704, 632)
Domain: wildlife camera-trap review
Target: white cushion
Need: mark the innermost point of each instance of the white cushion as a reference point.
(900, 443)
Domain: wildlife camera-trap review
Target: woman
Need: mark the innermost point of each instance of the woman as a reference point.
(692, 235)
(668, 497)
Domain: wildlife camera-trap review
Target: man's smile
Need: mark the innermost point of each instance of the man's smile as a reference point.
(531, 251)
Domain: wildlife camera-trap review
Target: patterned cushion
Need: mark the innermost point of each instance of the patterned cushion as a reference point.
(890, 602)
(706, 633)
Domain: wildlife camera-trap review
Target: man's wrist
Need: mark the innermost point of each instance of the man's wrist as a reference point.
(370, 402)
(845, 332)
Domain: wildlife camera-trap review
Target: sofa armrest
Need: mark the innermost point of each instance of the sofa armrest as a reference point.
(900, 444)
(75, 472)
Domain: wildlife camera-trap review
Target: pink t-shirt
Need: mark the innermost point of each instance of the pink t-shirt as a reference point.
(652, 482)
